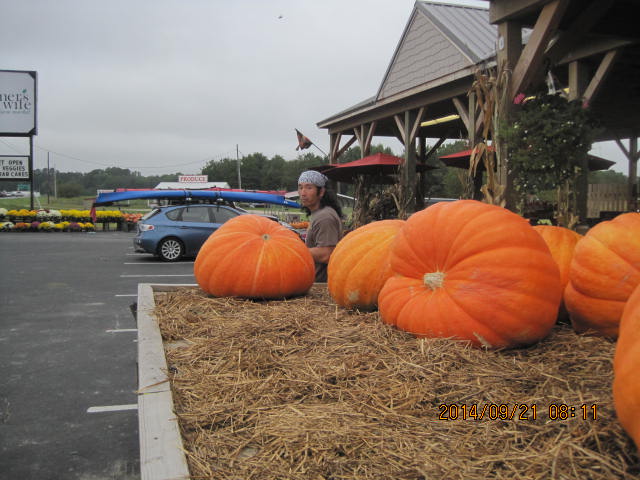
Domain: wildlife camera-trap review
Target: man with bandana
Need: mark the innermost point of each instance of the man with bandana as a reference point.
(325, 226)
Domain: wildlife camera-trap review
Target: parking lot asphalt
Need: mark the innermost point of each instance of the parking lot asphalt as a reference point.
(68, 353)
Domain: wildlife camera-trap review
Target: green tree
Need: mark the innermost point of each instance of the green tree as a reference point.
(70, 189)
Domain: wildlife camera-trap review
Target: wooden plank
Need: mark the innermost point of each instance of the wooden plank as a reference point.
(400, 125)
(369, 136)
(599, 77)
(416, 124)
(595, 47)
(531, 59)
(574, 35)
(346, 145)
(462, 111)
(502, 10)
(161, 449)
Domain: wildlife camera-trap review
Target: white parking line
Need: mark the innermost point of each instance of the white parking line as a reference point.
(135, 254)
(158, 263)
(112, 408)
(121, 330)
(127, 295)
(157, 275)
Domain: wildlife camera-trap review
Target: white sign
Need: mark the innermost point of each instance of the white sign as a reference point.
(14, 168)
(193, 178)
(17, 103)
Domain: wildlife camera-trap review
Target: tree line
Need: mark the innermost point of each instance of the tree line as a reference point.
(257, 172)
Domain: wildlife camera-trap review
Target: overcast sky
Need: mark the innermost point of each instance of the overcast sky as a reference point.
(162, 86)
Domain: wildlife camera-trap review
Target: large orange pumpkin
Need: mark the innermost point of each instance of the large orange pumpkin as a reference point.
(561, 242)
(472, 271)
(626, 365)
(604, 271)
(359, 265)
(255, 257)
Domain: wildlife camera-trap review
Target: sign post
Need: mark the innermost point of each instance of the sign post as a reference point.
(18, 100)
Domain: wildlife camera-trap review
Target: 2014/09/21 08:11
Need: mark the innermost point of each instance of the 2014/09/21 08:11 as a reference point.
(517, 411)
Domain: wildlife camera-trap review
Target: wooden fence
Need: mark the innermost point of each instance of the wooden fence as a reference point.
(606, 197)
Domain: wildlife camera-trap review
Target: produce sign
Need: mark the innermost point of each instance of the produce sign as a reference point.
(14, 167)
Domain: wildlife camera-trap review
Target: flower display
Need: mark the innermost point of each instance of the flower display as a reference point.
(48, 215)
(64, 220)
(22, 226)
(132, 217)
(45, 226)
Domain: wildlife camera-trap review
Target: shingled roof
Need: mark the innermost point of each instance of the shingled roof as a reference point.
(439, 39)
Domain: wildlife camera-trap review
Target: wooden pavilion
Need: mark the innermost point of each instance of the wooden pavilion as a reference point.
(591, 47)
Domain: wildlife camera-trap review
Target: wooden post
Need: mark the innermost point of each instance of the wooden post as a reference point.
(508, 52)
(632, 155)
(409, 170)
(578, 79)
(633, 173)
(421, 183)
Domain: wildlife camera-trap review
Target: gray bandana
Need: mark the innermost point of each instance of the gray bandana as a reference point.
(311, 176)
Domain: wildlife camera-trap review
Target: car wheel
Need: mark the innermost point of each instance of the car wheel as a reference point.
(170, 250)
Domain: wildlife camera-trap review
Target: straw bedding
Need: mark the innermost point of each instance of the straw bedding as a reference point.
(303, 389)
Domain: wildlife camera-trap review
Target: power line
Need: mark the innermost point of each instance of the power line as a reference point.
(45, 149)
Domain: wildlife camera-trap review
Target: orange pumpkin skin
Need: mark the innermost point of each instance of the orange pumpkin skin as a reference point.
(604, 271)
(561, 242)
(471, 271)
(254, 257)
(626, 365)
(359, 265)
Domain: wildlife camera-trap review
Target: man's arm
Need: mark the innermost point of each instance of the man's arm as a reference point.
(321, 254)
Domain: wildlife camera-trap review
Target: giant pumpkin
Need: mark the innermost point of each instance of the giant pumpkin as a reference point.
(604, 271)
(255, 257)
(561, 242)
(471, 271)
(359, 265)
(626, 365)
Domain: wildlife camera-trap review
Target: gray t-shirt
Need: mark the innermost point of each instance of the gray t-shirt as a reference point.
(325, 230)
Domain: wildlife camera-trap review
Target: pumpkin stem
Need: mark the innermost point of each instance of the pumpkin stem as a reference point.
(265, 237)
(434, 280)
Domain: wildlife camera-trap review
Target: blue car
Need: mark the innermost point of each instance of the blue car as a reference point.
(179, 231)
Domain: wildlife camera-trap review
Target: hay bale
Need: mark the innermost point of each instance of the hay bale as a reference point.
(302, 389)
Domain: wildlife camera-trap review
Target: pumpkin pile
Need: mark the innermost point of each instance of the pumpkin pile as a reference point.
(466, 270)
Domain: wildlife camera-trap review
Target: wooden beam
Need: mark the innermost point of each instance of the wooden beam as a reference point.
(359, 133)
(574, 35)
(472, 128)
(502, 10)
(598, 78)
(408, 172)
(346, 145)
(335, 139)
(416, 124)
(400, 125)
(433, 149)
(632, 154)
(577, 79)
(594, 47)
(368, 137)
(531, 59)
(462, 111)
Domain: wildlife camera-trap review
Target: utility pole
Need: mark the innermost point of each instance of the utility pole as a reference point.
(48, 181)
(238, 162)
